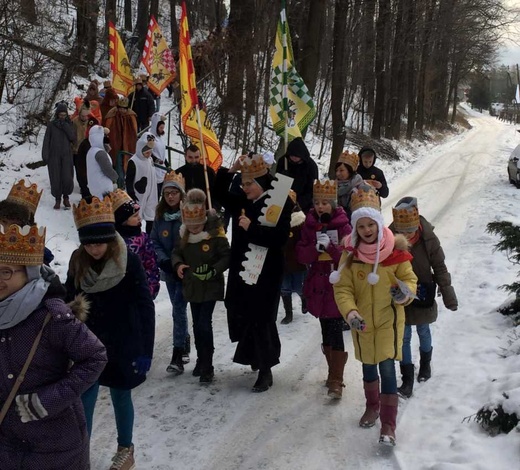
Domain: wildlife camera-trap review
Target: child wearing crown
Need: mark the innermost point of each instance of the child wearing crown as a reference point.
(42, 423)
(165, 234)
(347, 178)
(430, 268)
(252, 309)
(320, 248)
(365, 288)
(200, 260)
(128, 225)
(122, 315)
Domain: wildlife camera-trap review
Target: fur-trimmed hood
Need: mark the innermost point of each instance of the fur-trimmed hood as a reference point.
(401, 243)
(80, 307)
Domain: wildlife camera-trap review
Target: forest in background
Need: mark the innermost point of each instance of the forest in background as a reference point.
(380, 68)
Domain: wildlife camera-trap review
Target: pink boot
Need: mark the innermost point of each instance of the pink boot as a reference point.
(372, 404)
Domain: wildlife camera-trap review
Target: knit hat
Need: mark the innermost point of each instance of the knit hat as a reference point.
(406, 215)
(123, 206)
(61, 107)
(174, 180)
(94, 221)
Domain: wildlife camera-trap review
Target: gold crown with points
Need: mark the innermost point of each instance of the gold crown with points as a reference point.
(97, 212)
(253, 167)
(118, 198)
(193, 214)
(406, 216)
(26, 196)
(364, 196)
(176, 178)
(325, 190)
(23, 246)
(349, 158)
(122, 102)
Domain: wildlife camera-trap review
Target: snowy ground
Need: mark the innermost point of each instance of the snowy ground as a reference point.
(461, 185)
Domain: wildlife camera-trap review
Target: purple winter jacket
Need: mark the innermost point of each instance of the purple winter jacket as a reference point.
(69, 359)
(317, 289)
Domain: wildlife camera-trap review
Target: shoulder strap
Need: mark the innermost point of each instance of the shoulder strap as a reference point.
(21, 377)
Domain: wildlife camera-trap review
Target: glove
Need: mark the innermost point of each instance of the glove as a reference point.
(142, 365)
(204, 272)
(398, 295)
(30, 408)
(421, 291)
(166, 266)
(355, 320)
(322, 242)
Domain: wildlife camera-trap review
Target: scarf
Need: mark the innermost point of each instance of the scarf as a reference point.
(18, 306)
(345, 189)
(111, 275)
(416, 236)
(172, 217)
(367, 252)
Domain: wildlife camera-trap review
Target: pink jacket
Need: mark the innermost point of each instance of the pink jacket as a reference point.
(317, 289)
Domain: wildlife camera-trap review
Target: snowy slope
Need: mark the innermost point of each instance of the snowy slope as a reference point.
(461, 185)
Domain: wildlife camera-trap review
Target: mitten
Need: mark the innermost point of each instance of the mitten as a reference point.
(422, 291)
(204, 272)
(30, 408)
(398, 295)
(449, 298)
(166, 266)
(355, 320)
(322, 242)
(142, 365)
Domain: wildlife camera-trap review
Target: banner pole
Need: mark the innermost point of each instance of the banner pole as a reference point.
(203, 151)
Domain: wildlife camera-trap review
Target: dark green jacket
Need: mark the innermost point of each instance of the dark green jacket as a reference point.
(210, 248)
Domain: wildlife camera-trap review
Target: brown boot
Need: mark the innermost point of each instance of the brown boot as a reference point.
(66, 202)
(372, 404)
(326, 351)
(124, 459)
(389, 404)
(338, 359)
(58, 204)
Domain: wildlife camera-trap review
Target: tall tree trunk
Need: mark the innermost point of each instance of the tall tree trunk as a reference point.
(174, 30)
(129, 26)
(368, 54)
(154, 9)
(338, 83)
(410, 66)
(141, 26)
(28, 11)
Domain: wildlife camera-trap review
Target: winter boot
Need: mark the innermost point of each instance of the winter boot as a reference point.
(372, 404)
(388, 418)
(176, 366)
(206, 366)
(287, 305)
(338, 359)
(58, 204)
(264, 381)
(124, 459)
(425, 371)
(187, 350)
(407, 373)
(66, 202)
(196, 369)
(326, 351)
(304, 304)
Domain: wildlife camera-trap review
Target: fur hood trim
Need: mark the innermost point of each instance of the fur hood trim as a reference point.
(401, 243)
(297, 219)
(80, 307)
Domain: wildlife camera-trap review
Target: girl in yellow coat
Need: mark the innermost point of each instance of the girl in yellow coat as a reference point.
(374, 282)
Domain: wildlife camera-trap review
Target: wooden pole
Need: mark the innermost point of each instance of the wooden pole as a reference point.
(203, 151)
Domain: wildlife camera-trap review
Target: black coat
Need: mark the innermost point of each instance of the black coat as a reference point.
(123, 318)
(143, 105)
(252, 309)
(373, 173)
(304, 173)
(194, 176)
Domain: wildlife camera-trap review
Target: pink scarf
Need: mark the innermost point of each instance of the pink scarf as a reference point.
(367, 252)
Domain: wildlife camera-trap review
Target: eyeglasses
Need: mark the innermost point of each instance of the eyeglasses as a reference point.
(7, 274)
(174, 192)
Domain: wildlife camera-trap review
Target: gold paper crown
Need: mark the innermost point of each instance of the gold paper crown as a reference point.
(22, 246)
(193, 214)
(26, 196)
(176, 178)
(406, 219)
(364, 196)
(97, 212)
(349, 158)
(253, 167)
(118, 198)
(324, 190)
(122, 102)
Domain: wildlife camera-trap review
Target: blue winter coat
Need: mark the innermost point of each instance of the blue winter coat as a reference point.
(164, 236)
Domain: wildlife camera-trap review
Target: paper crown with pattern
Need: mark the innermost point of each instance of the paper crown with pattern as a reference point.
(325, 190)
(97, 212)
(175, 179)
(22, 246)
(118, 198)
(406, 215)
(26, 196)
(253, 167)
(364, 196)
(122, 102)
(193, 214)
(349, 158)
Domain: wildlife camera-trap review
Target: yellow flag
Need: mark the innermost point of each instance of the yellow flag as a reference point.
(122, 79)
